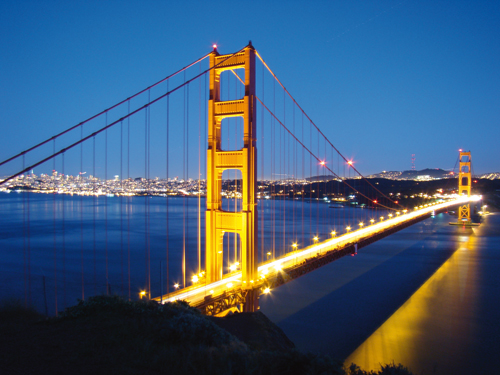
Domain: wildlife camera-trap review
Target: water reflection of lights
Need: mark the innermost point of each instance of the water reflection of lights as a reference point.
(434, 325)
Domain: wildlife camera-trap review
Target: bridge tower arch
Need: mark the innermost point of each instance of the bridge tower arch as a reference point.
(464, 186)
(218, 221)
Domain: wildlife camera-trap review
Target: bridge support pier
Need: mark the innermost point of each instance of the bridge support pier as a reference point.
(251, 301)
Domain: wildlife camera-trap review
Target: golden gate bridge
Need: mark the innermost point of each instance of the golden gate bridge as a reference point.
(263, 196)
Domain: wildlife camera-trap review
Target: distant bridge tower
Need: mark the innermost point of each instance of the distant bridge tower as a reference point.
(218, 221)
(464, 186)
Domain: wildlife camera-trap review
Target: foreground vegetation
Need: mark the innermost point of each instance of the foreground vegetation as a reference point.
(113, 336)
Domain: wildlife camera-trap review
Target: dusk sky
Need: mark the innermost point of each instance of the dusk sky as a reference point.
(382, 79)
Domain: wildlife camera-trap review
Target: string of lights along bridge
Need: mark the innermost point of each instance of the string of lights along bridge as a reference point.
(212, 185)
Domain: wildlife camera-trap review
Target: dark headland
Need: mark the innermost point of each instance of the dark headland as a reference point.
(108, 335)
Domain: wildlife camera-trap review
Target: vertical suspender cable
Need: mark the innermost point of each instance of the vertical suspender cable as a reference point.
(236, 127)
(282, 173)
(167, 198)
(318, 184)
(184, 198)
(303, 185)
(25, 235)
(148, 112)
(273, 181)
(129, 203)
(205, 129)
(262, 156)
(228, 200)
(311, 183)
(145, 182)
(187, 177)
(199, 175)
(28, 194)
(54, 219)
(106, 204)
(81, 214)
(122, 291)
(294, 168)
(63, 236)
(94, 213)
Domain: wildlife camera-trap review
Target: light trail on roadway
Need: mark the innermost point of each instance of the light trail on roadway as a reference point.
(195, 293)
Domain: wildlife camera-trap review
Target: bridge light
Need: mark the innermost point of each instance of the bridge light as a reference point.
(294, 245)
(315, 239)
(229, 285)
(211, 292)
(381, 218)
(195, 279)
(176, 286)
(333, 233)
(405, 211)
(349, 162)
(375, 201)
(372, 221)
(234, 267)
(142, 293)
(266, 290)
(390, 215)
(215, 46)
(398, 213)
(348, 228)
(361, 224)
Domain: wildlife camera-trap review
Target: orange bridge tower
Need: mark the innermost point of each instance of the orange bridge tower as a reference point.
(244, 222)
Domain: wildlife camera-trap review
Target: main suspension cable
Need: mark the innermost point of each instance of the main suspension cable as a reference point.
(115, 122)
(317, 158)
(104, 111)
(312, 122)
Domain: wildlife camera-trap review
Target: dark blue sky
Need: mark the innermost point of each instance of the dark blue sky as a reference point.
(383, 80)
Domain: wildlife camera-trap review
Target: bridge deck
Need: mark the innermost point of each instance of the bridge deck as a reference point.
(230, 292)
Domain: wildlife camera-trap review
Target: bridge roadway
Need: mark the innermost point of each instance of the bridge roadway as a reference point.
(229, 292)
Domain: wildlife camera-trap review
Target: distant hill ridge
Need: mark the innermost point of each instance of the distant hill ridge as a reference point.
(424, 174)
(428, 173)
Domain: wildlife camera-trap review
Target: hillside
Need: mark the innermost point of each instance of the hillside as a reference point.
(108, 335)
